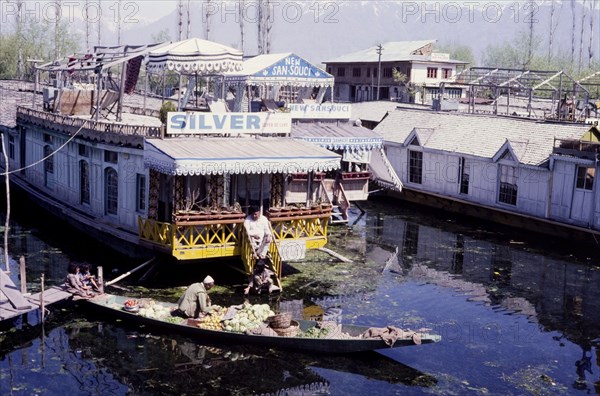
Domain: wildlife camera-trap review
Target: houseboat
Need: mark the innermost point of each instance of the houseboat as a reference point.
(539, 175)
(289, 84)
(92, 155)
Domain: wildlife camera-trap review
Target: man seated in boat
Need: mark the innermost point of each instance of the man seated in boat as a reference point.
(260, 280)
(195, 301)
(259, 230)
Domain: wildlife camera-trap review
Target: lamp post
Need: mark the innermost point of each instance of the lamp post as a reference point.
(379, 51)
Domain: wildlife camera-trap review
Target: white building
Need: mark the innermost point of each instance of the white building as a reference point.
(357, 76)
(510, 166)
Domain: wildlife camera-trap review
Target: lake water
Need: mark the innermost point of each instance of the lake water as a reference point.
(519, 315)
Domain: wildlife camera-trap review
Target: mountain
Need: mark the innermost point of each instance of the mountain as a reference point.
(321, 30)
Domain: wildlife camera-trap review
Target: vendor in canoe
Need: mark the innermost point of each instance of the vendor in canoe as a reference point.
(260, 280)
(195, 301)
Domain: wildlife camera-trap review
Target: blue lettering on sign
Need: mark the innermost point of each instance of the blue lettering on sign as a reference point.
(293, 66)
(237, 122)
(203, 124)
(253, 122)
(178, 121)
(217, 122)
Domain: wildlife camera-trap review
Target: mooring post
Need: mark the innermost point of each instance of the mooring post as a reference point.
(101, 279)
(42, 305)
(23, 275)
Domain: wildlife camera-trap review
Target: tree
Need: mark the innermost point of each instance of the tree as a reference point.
(515, 54)
(457, 51)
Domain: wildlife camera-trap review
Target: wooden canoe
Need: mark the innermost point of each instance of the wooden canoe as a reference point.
(114, 305)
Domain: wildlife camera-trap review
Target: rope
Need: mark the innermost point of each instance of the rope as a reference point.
(49, 155)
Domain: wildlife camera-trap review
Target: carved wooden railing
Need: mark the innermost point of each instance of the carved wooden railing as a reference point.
(71, 124)
(197, 239)
(342, 201)
(310, 228)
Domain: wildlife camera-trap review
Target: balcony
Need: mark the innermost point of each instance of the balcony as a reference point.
(576, 148)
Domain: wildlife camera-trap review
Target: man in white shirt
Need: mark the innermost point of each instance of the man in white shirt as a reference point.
(259, 230)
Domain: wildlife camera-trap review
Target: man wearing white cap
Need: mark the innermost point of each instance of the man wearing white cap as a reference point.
(195, 300)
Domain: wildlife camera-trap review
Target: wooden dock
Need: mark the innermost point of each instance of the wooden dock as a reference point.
(13, 303)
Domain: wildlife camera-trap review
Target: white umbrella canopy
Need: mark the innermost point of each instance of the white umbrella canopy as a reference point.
(195, 56)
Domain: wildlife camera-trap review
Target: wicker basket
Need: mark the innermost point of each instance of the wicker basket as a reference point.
(291, 331)
(281, 321)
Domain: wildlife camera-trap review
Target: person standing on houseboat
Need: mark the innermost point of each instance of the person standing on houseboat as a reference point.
(259, 230)
(195, 301)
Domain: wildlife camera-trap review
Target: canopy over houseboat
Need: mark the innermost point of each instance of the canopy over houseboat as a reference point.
(289, 84)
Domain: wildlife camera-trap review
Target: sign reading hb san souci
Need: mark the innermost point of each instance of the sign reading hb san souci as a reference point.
(324, 110)
(196, 123)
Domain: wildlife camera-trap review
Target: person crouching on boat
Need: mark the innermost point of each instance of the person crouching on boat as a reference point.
(260, 280)
(73, 282)
(195, 301)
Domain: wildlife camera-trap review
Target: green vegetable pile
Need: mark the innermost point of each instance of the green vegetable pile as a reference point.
(248, 318)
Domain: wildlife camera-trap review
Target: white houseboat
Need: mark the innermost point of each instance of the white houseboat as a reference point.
(516, 171)
(119, 173)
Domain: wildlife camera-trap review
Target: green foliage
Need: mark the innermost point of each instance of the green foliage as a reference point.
(8, 57)
(34, 40)
(398, 76)
(457, 51)
(162, 36)
(164, 109)
(517, 54)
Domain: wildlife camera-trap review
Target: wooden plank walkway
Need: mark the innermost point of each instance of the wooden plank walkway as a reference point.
(13, 303)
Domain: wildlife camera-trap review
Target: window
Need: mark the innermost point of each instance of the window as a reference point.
(585, 177)
(447, 73)
(48, 167)
(465, 170)
(432, 72)
(140, 188)
(368, 72)
(375, 72)
(11, 147)
(84, 150)
(387, 72)
(111, 156)
(111, 185)
(415, 166)
(48, 138)
(329, 70)
(341, 71)
(508, 185)
(454, 93)
(356, 72)
(84, 182)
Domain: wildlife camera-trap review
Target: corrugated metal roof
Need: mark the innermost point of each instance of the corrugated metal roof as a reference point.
(392, 51)
(337, 136)
(372, 111)
(479, 135)
(236, 155)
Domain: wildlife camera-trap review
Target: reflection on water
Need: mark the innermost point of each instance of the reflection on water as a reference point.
(517, 316)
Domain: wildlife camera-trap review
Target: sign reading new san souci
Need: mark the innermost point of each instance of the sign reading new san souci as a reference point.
(195, 123)
(293, 66)
(340, 111)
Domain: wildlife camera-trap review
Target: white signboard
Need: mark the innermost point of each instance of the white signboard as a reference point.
(198, 123)
(324, 110)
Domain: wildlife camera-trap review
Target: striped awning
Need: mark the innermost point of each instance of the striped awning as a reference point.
(195, 56)
(217, 156)
(337, 136)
